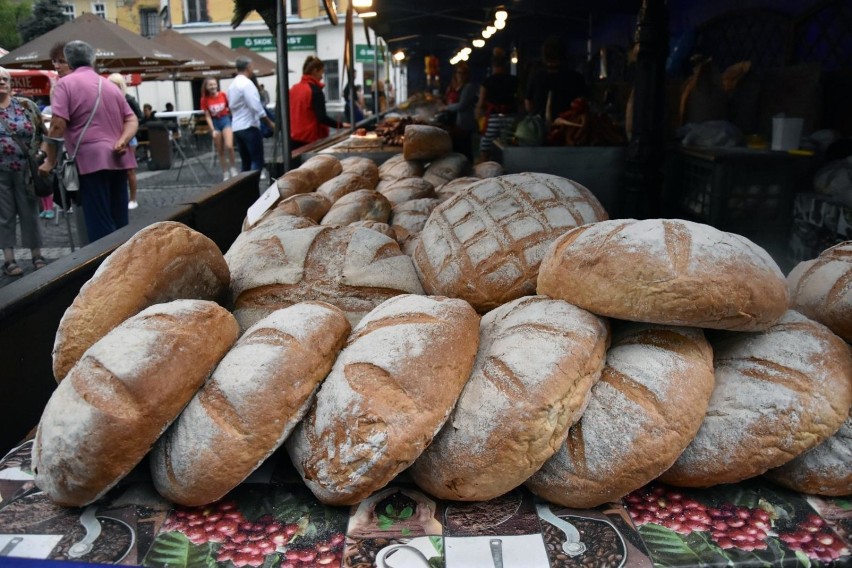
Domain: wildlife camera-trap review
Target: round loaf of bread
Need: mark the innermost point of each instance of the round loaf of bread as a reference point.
(337, 187)
(824, 470)
(361, 205)
(382, 228)
(310, 205)
(324, 167)
(412, 215)
(537, 361)
(164, 261)
(364, 167)
(248, 407)
(446, 168)
(397, 167)
(282, 218)
(488, 169)
(390, 391)
(822, 289)
(485, 244)
(646, 408)
(295, 182)
(353, 268)
(407, 189)
(422, 142)
(455, 186)
(124, 392)
(778, 394)
(665, 271)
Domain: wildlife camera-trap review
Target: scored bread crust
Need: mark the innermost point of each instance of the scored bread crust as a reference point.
(423, 142)
(123, 393)
(390, 391)
(666, 271)
(164, 261)
(259, 391)
(361, 205)
(397, 167)
(537, 361)
(646, 408)
(822, 289)
(778, 394)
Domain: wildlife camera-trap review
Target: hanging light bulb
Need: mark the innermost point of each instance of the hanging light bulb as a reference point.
(486, 34)
(478, 42)
(499, 24)
(399, 55)
(491, 29)
(514, 55)
(362, 3)
(501, 14)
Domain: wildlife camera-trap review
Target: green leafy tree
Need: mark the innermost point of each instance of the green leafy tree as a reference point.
(47, 14)
(11, 15)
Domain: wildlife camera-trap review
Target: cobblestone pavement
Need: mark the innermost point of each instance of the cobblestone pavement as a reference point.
(156, 189)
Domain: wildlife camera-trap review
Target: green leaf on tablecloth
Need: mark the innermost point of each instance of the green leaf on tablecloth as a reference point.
(803, 558)
(384, 522)
(437, 544)
(271, 560)
(406, 513)
(174, 550)
(668, 548)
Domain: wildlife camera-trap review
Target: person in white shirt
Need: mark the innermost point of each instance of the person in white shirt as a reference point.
(246, 113)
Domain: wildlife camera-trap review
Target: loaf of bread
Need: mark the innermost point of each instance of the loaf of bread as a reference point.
(485, 244)
(824, 470)
(453, 187)
(355, 269)
(124, 392)
(422, 142)
(646, 408)
(310, 205)
(339, 186)
(397, 167)
(406, 189)
(382, 228)
(364, 167)
(822, 289)
(488, 169)
(289, 221)
(778, 394)
(324, 167)
(446, 168)
(390, 391)
(361, 205)
(248, 407)
(164, 261)
(665, 271)
(296, 181)
(412, 215)
(537, 361)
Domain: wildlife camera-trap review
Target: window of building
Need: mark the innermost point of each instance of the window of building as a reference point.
(294, 8)
(99, 10)
(332, 80)
(149, 22)
(195, 11)
(69, 11)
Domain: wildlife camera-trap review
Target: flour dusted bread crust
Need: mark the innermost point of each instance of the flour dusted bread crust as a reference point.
(361, 205)
(407, 189)
(382, 228)
(353, 268)
(446, 168)
(364, 167)
(412, 215)
(397, 167)
(425, 142)
(485, 244)
(824, 470)
(665, 271)
(120, 397)
(646, 408)
(254, 398)
(778, 394)
(295, 182)
(537, 361)
(488, 169)
(337, 187)
(822, 289)
(389, 392)
(455, 186)
(323, 166)
(162, 262)
(310, 205)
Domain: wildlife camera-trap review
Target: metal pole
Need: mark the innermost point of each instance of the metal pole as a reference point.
(350, 32)
(283, 83)
(375, 76)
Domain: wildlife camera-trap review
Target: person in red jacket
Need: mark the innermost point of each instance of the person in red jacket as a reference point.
(309, 120)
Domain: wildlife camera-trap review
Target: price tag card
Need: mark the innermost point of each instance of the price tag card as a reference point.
(269, 198)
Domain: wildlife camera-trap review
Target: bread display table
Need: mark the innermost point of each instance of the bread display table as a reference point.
(273, 520)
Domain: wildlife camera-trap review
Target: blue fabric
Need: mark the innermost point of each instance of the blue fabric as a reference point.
(250, 146)
(105, 197)
(221, 123)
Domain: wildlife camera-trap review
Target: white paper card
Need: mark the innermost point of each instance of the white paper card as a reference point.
(269, 198)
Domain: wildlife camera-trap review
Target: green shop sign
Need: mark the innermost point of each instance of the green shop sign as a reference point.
(306, 42)
(366, 53)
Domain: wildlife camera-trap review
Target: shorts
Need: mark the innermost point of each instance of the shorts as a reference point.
(221, 123)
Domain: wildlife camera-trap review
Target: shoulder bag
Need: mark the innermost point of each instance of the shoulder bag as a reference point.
(69, 175)
(42, 185)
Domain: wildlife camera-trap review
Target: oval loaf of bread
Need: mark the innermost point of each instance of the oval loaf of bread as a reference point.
(390, 391)
(361, 205)
(164, 261)
(485, 244)
(646, 408)
(778, 394)
(423, 142)
(254, 398)
(822, 289)
(665, 271)
(125, 391)
(323, 166)
(337, 187)
(397, 167)
(537, 361)
(365, 167)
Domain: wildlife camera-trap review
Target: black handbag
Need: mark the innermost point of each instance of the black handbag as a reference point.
(42, 185)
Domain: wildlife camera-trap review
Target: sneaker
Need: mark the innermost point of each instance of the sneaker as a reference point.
(49, 214)
(234, 172)
(132, 205)
(43, 214)
(226, 175)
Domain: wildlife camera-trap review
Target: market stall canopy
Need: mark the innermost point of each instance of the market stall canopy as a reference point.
(117, 49)
(31, 83)
(202, 62)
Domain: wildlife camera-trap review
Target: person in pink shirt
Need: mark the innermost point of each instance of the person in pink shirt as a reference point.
(214, 103)
(103, 157)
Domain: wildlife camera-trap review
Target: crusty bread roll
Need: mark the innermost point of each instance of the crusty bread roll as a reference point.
(646, 408)
(397, 167)
(488, 169)
(324, 167)
(311, 205)
(289, 221)
(364, 167)
(382, 228)
(127, 388)
(822, 289)
(453, 187)
(407, 189)
(412, 215)
(361, 205)
(254, 398)
(353, 268)
(337, 187)
(665, 271)
(164, 261)
(389, 392)
(446, 168)
(824, 470)
(778, 394)
(422, 142)
(485, 244)
(296, 181)
(537, 361)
